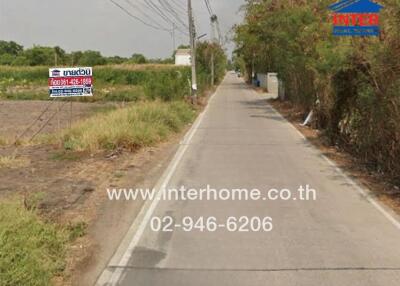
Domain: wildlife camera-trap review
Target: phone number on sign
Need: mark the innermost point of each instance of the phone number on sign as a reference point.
(67, 81)
(212, 224)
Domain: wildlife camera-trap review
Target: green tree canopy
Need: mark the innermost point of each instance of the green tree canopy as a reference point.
(138, 59)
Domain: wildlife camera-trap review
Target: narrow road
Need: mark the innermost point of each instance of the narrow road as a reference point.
(341, 238)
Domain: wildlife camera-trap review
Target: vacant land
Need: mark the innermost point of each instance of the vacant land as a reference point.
(53, 178)
(17, 116)
(112, 83)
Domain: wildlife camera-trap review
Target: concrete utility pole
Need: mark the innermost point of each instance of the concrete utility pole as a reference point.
(192, 33)
(214, 24)
(173, 37)
(214, 41)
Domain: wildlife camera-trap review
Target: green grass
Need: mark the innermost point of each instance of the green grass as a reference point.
(138, 125)
(32, 251)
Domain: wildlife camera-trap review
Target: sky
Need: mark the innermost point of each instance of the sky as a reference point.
(102, 26)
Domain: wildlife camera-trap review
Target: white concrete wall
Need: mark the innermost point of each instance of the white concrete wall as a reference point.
(182, 60)
(263, 80)
(269, 81)
(272, 83)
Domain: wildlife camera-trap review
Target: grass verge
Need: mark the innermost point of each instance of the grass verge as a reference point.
(139, 125)
(32, 251)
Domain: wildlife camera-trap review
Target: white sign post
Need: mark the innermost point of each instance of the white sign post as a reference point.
(70, 82)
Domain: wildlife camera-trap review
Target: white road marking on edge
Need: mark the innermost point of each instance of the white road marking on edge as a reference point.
(147, 211)
(365, 193)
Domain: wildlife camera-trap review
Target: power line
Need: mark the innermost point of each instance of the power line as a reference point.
(135, 6)
(137, 18)
(192, 31)
(180, 6)
(155, 9)
(172, 12)
(214, 22)
(150, 4)
(208, 5)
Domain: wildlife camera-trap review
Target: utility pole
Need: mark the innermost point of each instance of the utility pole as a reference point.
(173, 36)
(214, 41)
(192, 33)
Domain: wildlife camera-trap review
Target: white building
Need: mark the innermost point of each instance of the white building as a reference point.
(183, 57)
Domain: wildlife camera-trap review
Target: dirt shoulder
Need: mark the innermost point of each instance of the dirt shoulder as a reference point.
(111, 220)
(379, 184)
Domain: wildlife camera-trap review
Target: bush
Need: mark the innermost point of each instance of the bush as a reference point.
(171, 85)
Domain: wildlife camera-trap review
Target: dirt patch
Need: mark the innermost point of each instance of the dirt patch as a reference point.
(380, 185)
(17, 116)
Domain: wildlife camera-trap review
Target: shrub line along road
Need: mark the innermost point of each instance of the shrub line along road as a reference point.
(342, 238)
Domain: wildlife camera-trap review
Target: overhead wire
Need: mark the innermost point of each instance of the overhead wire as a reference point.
(137, 18)
(179, 6)
(140, 10)
(173, 13)
(156, 9)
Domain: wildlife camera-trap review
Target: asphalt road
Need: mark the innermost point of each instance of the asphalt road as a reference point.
(341, 238)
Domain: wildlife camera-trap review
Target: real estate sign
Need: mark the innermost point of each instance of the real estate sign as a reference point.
(70, 82)
(356, 18)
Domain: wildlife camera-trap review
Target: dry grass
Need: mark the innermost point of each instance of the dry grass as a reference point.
(138, 125)
(138, 67)
(3, 141)
(13, 162)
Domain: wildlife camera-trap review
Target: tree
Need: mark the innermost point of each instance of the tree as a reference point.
(60, 54)
(91, 58)
(6, 59)
(203, 60)
(138, 59)
(116, 60)
(39, 56)
(75, 57)
(352, 83)
(10, 48)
